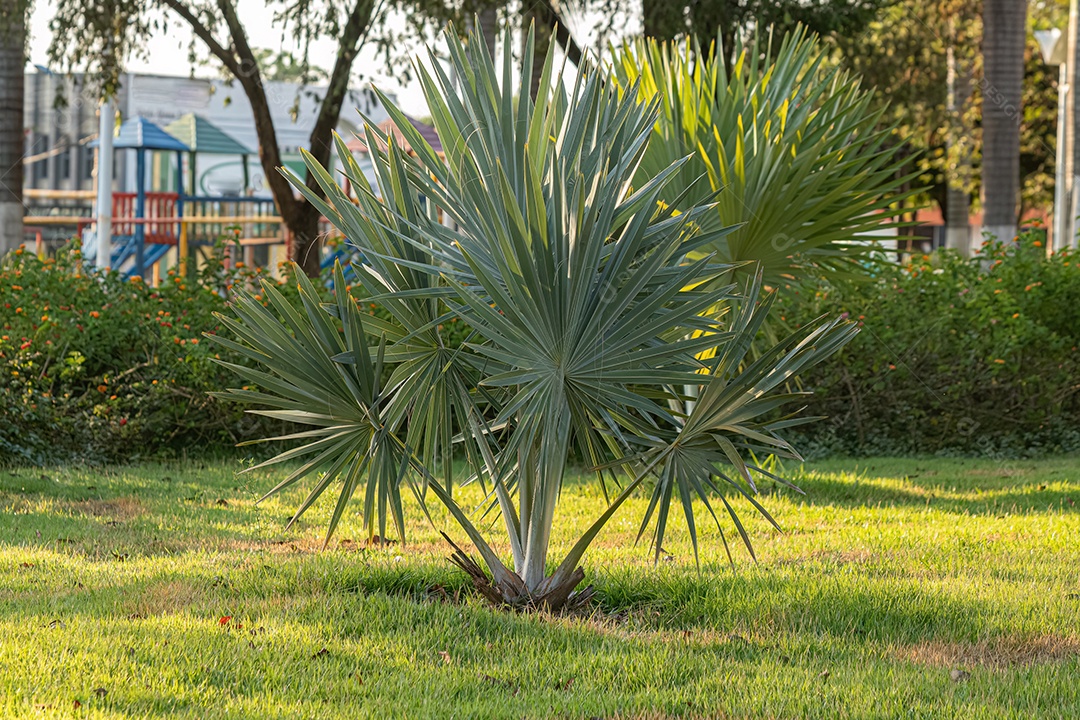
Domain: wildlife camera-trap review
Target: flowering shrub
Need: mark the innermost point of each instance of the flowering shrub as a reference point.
(973, 356)
(95, 367)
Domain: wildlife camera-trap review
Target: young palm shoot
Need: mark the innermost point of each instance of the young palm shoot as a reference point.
(590, 304)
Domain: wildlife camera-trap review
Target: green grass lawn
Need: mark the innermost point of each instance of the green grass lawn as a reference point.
(901, 588)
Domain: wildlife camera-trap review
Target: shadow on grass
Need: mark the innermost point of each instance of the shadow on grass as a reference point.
(855, 607)
(1023, 496)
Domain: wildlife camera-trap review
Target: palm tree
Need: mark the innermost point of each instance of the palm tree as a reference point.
(793, 142)
(12, 64)
(588, 316)
(1004, 35)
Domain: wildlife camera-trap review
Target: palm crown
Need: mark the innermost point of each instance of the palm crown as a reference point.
(591, 307)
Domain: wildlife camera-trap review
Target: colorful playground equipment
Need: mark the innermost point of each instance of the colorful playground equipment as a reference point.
(142, 218)
(150, 223)
(169, 209)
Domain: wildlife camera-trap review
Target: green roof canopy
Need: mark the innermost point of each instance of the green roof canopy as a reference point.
(202, 136)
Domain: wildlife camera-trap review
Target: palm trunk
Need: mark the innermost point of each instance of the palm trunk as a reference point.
(958, 179)
(12, 63)
(1065, 227)
(1004, 34)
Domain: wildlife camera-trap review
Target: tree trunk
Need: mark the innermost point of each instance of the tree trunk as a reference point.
(12, 63)
(305, 248)
(300, 218)
(958, 199)
(1004, 34)
(663, 19)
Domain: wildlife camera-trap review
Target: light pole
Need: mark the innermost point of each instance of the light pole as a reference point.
(1054, 48)
(104, 185)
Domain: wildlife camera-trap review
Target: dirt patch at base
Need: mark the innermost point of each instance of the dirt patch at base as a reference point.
(1001, 652)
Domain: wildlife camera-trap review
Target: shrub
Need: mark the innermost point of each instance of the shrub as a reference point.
(95, 367)
(957, 356)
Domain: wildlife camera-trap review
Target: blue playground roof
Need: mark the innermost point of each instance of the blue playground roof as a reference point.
(141, 134)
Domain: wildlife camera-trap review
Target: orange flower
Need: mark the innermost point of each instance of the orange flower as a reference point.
(1037, 243)
(999, 361)
(16, 287)
(1016, 315)
(18, 310)
(101, 388)
(95, 314)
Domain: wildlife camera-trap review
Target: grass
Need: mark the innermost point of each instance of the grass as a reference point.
(901, 588)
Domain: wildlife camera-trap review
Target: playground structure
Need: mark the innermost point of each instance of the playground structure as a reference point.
(171, 220)
(155, 226)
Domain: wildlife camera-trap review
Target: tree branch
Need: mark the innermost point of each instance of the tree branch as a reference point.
(319, 141)
(338, 86)
(250, 78)
(561, 32)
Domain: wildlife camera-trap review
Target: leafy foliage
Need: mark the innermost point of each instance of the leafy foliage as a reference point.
(93, 367)
(794, 144)
(587, 310)
(972, 356)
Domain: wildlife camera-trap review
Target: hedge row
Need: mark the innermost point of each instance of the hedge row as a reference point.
(975, 356)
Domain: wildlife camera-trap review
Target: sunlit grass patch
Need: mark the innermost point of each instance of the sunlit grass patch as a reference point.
(891, 577)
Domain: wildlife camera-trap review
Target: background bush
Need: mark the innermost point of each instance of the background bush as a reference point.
(97, 368)
(956, 356)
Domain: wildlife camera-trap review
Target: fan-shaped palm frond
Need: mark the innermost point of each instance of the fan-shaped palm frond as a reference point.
(794, 143)
(590, 302)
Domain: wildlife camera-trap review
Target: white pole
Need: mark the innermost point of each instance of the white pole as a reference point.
(104, 185)
(1061, 202)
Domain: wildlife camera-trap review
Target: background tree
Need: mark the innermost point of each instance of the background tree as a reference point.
(99, 38)
(906, 53)
(1004, 33)
(705, 19)
(12, 140)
